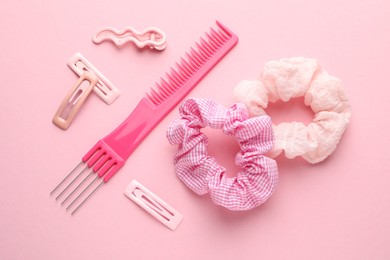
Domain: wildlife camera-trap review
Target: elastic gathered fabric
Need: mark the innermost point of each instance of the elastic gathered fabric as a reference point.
(300, 77)
(257, 180)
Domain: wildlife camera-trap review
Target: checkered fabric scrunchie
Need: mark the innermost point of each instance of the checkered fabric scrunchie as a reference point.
(257, 180)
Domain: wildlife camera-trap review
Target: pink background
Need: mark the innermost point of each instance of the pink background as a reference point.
(338, 209)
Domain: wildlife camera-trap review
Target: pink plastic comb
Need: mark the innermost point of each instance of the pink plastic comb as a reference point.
(111, 152)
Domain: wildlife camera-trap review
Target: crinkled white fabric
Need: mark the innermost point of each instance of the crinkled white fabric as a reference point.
(300, 77)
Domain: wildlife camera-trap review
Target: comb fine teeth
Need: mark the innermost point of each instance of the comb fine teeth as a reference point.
(208, 50)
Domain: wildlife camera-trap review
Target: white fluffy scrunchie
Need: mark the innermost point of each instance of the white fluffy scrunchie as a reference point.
(296, 77)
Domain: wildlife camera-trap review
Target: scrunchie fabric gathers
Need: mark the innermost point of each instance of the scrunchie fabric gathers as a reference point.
(257, 180)
(300, 77)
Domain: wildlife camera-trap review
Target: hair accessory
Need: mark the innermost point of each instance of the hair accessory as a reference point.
(256, 181)
(152, 37)
(74, 99)
(110, 153)
(155, 206)
(104, 88)
(300, 77)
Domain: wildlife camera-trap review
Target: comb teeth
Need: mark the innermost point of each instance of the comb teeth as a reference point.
(205, 49)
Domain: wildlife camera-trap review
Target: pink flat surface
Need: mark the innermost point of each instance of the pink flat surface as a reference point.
(338, 209)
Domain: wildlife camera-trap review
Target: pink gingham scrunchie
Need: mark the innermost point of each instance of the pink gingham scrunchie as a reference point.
(257, 180)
